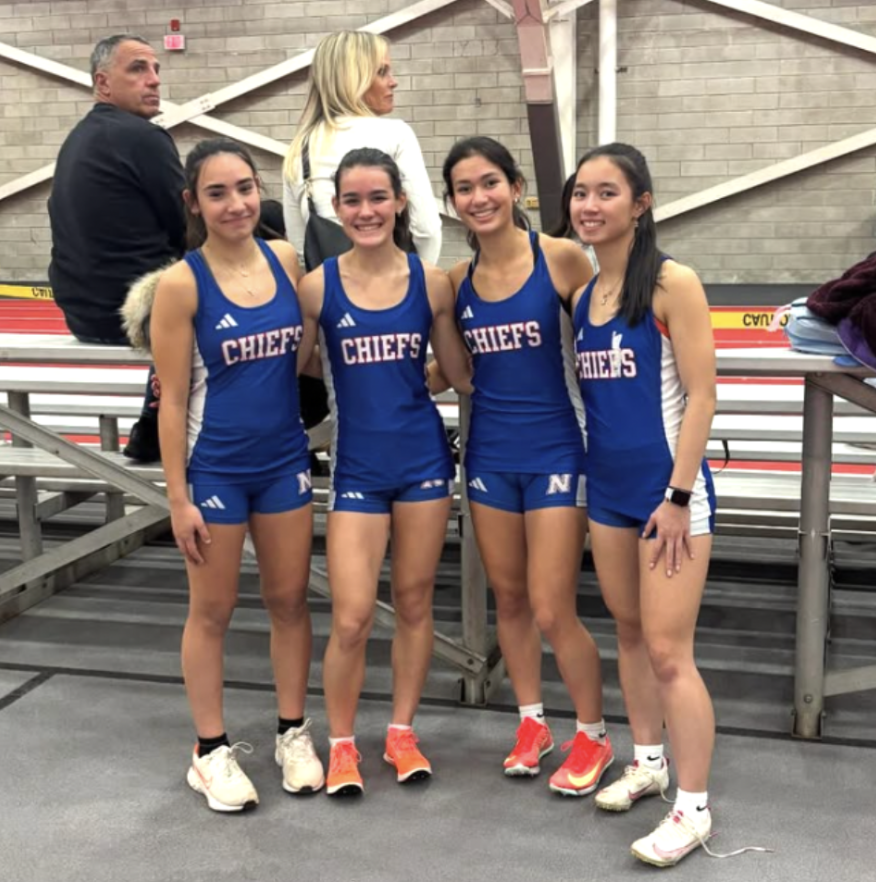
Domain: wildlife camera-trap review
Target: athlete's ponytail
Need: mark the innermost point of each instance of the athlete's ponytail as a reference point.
(643, 269)
(495, 153)
(370, 157)
(196, 231)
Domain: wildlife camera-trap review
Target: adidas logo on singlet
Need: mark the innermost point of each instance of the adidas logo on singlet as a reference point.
(467, 313)
(347, 321)
(227, 322)
(580, 336)
(213, 502)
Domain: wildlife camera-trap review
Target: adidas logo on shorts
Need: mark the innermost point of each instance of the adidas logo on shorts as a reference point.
(467, 313)
(347, 321)
(227, 322)
(352, 494)
(478, 484)
(213, 502)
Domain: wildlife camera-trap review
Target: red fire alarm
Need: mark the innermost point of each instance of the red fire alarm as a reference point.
(174, 24)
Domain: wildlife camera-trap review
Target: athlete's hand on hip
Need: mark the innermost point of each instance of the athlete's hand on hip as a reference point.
(189, 527)
(672, 525)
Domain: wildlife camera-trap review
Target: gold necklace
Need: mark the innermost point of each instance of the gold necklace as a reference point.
(240, 271)
(613, 291)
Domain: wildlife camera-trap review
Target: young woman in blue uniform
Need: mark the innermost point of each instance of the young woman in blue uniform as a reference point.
(646, 364)
(524, 461)
(226, 327)
(376, 309)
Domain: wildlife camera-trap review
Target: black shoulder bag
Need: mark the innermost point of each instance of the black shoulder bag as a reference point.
(323, 238)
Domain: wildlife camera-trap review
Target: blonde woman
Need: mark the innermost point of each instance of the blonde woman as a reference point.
(351, 92)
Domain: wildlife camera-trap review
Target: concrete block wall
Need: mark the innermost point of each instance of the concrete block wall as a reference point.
(707, 94)
(458, 71)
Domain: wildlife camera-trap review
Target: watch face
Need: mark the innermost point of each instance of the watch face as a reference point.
(678, 497)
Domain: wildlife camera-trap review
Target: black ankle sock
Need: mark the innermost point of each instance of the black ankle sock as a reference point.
(208, 745)
(283, 726)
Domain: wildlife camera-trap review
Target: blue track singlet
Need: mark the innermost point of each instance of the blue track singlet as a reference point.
(526, 410)
(388, 432)
(243, 418)
(635, 402)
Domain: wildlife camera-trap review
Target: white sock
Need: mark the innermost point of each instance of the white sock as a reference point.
(536, 711)
(691, 805)
(594, 731)
(400, 726)
(347, 739)
(650, 756)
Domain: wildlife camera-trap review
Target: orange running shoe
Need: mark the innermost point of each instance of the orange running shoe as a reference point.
(584, 767)
(343, 775)
(534, 741)
(403, 753)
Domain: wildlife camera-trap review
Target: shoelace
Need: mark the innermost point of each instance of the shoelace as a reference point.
(344, 758)
(224, 762)
(581, 751)
(298, 741)
(641, 776)
(679, 825)
(528, 733)
(405, 742)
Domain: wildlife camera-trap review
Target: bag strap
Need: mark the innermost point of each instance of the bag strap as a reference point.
(305, 168)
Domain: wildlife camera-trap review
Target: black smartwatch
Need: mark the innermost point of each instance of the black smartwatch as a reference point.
(678, 497)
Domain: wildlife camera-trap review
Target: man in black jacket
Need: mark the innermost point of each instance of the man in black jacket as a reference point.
(116, 207)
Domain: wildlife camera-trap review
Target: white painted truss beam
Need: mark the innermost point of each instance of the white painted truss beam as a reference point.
(797, 21)
(767, 175)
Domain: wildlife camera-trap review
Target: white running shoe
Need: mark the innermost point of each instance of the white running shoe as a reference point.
(221, 780)
(636, 782)
(676, 836)
(296, 755)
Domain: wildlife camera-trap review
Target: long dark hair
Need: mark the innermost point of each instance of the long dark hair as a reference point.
(370, 157)
(495, 153)
(562, 228)
(196, 231)
(643, 268)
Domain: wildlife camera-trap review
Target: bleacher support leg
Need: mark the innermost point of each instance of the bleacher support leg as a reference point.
(109, 440)
(26, 490)
(813, 580)
(28, 522)
(475, 688)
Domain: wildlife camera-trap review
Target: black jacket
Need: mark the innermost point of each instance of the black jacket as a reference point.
(116, 212)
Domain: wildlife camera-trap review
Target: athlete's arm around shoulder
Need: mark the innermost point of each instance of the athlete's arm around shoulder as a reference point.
(288, 258)
(435, 378)
(453, 360)
(172, 332)
(569, 267)
(680, 304)
(311, 290)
